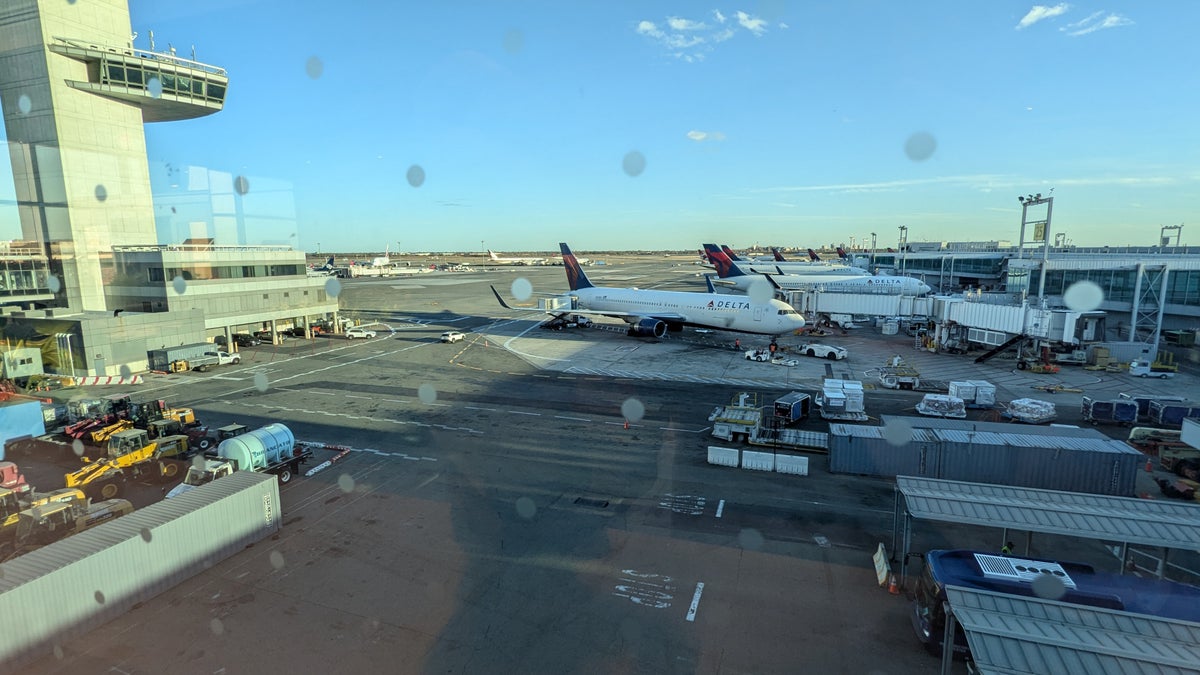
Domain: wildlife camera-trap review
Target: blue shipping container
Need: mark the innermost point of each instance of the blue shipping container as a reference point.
(21, 419)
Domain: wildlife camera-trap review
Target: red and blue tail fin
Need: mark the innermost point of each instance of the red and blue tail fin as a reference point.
(725, 267)
(729, 252)
(812, 255)
(841, 253)
(576, 279)
(778, 256)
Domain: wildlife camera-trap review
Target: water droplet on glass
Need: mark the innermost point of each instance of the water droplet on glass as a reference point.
(760, 291)
(427, 393)
(24, 105)
(750, 539)
(314, 67)
(53, 283)
(1048, 587)
(125, 371)
(333, 287)
(154, 87)
(58, 652)
(77, 447)
(198, 461)
(1083, 296)
(260, 381)
(179, 284)
(99, 598)
(346, 482)
(526, 508)
(276, 559)
(514, 41)
(241, 185)
(897, 432)
(415, 176)
(634, 163)
(146, 535)
(101, 193)
(522, 289)
(920, 146)
(633, 410)
(216, 626)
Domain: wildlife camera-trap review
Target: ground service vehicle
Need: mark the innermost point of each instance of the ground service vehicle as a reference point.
(199, 436)
(1081, 585)
(131, 454)
(45, 524)
(1141, 368)
(822, 351)
(101, 435)
(271, 449)
(453, 336)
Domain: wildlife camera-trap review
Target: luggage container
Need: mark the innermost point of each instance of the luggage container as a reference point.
(1172, 413)
(1118, 411)
(974, 393)
(1143, 402)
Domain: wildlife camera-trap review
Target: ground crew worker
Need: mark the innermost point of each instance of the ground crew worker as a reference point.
(737, 343)
(1007, 549)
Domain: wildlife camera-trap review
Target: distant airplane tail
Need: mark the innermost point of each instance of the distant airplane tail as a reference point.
(328, 264)
(812, 255)
(576, 279)
(492, 255)
(778, 256)
(729, 252)
(725, 267)
(841, 253)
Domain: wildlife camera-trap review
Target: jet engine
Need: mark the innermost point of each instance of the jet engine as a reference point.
(648, 328)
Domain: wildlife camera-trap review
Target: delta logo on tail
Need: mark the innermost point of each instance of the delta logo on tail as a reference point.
(576, 279)
(720, 261)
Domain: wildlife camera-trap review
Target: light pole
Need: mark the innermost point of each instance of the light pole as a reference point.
(872, 253)
(903, 245)
(1041, 231)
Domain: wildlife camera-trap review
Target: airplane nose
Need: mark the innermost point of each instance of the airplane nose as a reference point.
(925, 288)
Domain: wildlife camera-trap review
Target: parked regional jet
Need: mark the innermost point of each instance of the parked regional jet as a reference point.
(324, 270)
(493, 258)
(735, 277)
(793, 267)
(651, 313)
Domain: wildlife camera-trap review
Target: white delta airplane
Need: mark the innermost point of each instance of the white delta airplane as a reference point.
(499, 260)
(651, 313)
(731, 275)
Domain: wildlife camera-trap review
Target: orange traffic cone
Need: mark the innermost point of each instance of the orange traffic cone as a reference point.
(893, 587)
(1149, 465)
(626, 424)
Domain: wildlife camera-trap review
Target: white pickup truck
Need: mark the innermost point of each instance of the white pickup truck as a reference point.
(215, 358)
(823, 351)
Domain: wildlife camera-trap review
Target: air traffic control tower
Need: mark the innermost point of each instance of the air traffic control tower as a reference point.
(75, 95)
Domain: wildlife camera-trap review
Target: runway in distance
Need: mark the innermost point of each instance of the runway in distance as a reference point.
(499, 260)
(732, 276)
(651, 313)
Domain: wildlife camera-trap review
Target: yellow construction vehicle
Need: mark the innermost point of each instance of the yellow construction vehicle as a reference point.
(38, 526)
(99, 436)
(184, 416)
(131, 454)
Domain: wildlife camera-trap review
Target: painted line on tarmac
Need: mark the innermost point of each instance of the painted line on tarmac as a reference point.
(522, 412)
(691, 614)
(384, 420)
(475, 407)
(577, 419)
(720, 508)
(686, 431)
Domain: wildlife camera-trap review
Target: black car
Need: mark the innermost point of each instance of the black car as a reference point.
(245, 340)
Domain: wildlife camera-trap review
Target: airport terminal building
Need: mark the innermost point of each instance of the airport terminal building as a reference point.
(87, 279)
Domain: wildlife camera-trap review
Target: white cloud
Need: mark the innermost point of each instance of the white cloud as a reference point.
(756, 26)
(1039, 12)
(700, 136)
(1094, 22)
(648, 28)
(677, 23)
(690, 40)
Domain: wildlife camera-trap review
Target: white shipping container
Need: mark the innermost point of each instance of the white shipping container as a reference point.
(985, 393)
(963, 390)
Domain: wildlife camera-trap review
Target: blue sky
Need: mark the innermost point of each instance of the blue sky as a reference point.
(761, 123)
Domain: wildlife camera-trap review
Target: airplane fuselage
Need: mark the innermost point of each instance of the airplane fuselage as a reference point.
(834, 282)
(706, 310)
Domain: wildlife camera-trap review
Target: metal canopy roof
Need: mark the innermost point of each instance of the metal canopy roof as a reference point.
(1015, 634)
(1135, 521)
